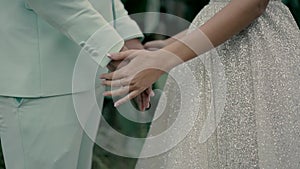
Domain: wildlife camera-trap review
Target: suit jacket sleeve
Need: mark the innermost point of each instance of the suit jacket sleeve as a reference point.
(78, 20)
(125, 26)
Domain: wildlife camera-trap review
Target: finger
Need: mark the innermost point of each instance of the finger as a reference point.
(153, 49)
(138, 101)
(111, 67)
(116, 83)
(150, 92)
(114, 63)
(117, 92)
(107, 76)
(148, 105)
(127, 98)
(142, 108)
(150, 44)
(146, 100)
(124, 49)
(113, 75)
(154, 44)
(122, 55)
(122, 64)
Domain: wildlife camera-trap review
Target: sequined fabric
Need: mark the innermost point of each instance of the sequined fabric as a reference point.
(260, 126)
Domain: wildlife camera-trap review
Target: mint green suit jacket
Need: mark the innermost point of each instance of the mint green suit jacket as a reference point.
(40, 42)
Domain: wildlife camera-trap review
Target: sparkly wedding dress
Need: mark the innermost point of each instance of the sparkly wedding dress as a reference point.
(245, 113)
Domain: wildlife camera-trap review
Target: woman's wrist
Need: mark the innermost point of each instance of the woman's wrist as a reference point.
(169, 41)
(166, 60)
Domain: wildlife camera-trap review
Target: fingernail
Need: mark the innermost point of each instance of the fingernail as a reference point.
(116, 104)
(152, 94)
(109, 55)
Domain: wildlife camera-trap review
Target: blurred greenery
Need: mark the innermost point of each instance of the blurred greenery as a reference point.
(106, 160)
(191, 7)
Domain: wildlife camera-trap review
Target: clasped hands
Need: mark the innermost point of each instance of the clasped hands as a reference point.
(134, 72)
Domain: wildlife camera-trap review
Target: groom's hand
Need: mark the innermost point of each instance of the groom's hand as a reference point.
(129, 44)
(115, 64)
(134, 44)
(142, 100)
(155, 45)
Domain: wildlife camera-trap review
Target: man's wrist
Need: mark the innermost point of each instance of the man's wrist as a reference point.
(134, 44)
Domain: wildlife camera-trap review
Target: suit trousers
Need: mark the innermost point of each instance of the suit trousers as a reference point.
(43, 133)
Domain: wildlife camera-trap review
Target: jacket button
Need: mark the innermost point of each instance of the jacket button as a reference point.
(82, 44)
(86, 47)
(95, 54)
(91, 50)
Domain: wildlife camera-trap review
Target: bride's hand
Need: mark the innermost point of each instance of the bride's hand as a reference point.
(155, 45)
(142, 70)
(143, 99)
(159, 44)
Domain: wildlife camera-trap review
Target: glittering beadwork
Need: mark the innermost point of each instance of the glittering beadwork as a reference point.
(260, 127)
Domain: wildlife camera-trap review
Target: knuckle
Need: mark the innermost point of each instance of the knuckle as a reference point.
(123, 72)
(135, 86)
(130, 81)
